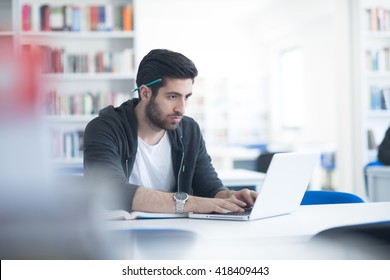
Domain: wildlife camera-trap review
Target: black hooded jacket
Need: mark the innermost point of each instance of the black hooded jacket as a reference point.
(110, 147)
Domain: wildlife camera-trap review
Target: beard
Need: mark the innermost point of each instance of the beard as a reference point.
(156, 118)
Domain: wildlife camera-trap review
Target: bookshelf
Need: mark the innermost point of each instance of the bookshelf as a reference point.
(88, 57)
(370, 27)
(375, 74)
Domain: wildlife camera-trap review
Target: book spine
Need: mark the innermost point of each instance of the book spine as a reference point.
(76, 21)
(107, 62)
(94, 18)
(88, 104)
(371, 140)
(96, 103)
(109, 17)
(26, 17)
(118, 18)
(68, 17)
(127, 18)
(376, 103)
(99, 62)
(45, 18)
(81, 142)
(56, 18)
(85, 18)
(374, 20)
(91, 63)
(101, 25)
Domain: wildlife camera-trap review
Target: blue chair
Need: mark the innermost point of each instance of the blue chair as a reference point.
(69, 170)
(329, 197)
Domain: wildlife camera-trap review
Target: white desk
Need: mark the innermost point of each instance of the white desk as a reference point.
(224, 157)
(238, 178)
(278, 237)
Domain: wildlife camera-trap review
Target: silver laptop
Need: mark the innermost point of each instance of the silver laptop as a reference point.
(284, 186)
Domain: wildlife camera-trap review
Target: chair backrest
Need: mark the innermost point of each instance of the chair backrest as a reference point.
(263, 161)
(329, 197)
(372, 163)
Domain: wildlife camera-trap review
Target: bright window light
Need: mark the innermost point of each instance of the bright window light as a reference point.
(292, 99)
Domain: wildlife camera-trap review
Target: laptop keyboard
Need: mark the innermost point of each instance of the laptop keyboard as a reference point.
(246, 212)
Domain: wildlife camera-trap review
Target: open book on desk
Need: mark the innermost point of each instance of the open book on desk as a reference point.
(115, 215)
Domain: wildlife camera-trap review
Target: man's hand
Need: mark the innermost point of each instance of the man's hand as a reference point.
(245, 195)
(209, 205)
(225, 201)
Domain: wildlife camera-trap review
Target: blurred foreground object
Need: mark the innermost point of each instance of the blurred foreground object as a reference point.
(19, 84)
(42, 216)
(362, 241)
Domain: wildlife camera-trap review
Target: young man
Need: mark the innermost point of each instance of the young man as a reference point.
(152, 155)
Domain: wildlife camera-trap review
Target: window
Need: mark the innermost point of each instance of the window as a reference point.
(292, 98)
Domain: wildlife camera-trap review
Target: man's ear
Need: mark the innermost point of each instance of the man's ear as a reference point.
(145, 92)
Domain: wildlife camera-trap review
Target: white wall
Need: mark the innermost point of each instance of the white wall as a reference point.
(209, 32)
(321, 29)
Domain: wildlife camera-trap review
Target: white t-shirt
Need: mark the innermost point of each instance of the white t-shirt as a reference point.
(153, 166)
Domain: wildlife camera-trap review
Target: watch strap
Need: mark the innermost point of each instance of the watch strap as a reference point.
(180, 206)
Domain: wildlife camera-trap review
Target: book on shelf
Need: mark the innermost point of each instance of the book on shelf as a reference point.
(101, 18)
(386, 98)
(375, 93)
(380, 98)
(134, 215)
(127, 18)
(59, 60)
(57, 18)
(109, 17)
(83, 103)
(378, 19)
(68, 17)
(374, 20)
(76, 18)
(44, 14)
(67, 144)
(378, 59)
(94, 17)
(371, 143)
(26, 17)
(118, 15)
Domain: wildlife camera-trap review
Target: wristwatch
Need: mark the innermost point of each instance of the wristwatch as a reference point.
(180, 198)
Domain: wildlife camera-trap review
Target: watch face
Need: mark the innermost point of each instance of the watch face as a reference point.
(181, 196)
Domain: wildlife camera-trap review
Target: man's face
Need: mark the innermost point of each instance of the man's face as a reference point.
(166, 109)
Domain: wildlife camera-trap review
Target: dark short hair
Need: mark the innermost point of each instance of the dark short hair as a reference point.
(163, 64)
